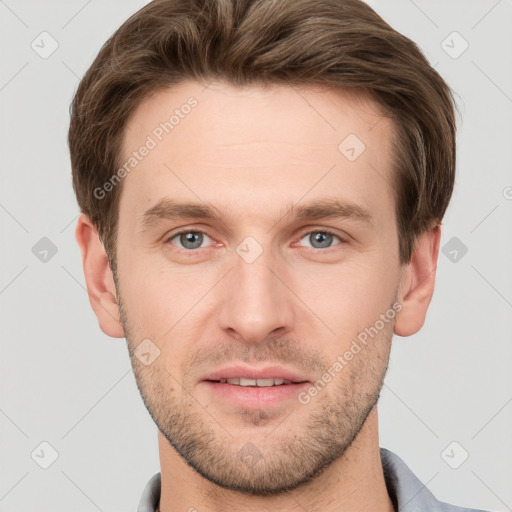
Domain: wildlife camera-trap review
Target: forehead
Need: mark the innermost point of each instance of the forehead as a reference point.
(242, 149)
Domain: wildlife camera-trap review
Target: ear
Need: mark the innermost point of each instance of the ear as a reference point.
(417, 283)
(99, 278)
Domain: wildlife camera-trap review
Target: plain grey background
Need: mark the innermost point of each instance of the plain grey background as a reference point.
(446, 407)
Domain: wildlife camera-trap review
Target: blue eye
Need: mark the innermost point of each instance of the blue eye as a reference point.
(189, 240)
(321, 239)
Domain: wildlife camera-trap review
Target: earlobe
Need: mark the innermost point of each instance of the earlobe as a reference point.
(417, 283)
(98, 278)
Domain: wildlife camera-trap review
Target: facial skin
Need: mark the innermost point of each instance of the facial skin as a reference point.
(252, 153)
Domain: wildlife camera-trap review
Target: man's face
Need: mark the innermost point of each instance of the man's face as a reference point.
(259, 286)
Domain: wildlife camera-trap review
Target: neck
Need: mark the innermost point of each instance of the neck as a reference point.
(354, 482)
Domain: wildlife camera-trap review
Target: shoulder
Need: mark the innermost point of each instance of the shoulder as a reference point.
(408, 493)
(150, 495)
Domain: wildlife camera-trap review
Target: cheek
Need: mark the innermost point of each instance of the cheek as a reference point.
(165, 304)
(146, 285)
(347, 296)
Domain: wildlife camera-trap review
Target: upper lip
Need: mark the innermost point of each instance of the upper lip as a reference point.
(246, 372)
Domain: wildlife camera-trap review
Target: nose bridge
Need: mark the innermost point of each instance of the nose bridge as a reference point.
(257, 300)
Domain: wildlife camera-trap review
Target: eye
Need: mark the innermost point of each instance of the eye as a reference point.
(189, 240)
(321, 239)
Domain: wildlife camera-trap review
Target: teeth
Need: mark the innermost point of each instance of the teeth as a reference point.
(255, 382)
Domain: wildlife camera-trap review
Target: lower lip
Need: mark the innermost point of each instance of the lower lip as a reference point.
(255, 397)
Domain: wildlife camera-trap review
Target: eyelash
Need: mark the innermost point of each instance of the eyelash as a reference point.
(192, 251)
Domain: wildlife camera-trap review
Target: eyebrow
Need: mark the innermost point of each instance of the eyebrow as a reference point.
(170, 209)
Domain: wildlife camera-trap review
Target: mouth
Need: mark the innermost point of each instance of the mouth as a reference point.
(240, 375)
(253, 388)
(260, 383)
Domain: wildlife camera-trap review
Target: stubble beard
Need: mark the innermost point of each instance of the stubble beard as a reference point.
(291, 454)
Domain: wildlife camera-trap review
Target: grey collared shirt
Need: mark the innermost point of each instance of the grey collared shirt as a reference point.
(406, 491)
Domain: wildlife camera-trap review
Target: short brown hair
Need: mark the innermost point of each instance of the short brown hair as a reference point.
(336, 43)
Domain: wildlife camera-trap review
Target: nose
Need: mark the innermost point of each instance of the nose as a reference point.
(257, 301)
